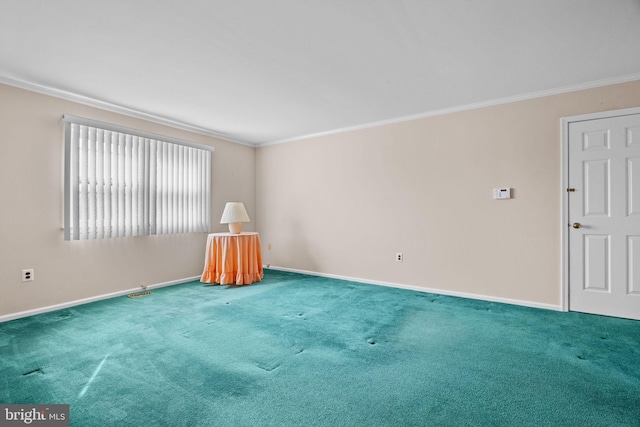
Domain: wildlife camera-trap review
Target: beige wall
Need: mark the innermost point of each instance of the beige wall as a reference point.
(31, 195)
(421, 187)
(344, 204)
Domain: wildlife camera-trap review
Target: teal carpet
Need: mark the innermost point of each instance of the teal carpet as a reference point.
(298, 350)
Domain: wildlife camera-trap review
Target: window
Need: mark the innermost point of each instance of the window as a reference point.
(120, 182)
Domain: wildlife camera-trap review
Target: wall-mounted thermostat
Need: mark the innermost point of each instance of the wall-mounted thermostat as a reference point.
(501, 193)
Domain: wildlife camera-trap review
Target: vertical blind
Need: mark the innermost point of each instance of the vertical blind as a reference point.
(123, 183)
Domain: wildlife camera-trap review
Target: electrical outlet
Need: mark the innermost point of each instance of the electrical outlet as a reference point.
(269, 247)
(28, 275)
(399, 256)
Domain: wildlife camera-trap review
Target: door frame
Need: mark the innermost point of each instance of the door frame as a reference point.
(566, 121)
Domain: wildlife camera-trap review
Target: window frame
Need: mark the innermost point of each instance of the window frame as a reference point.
(152, 142)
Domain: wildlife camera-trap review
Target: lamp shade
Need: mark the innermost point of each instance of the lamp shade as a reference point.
(234, 214)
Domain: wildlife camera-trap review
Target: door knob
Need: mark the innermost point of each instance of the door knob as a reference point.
(576, 225)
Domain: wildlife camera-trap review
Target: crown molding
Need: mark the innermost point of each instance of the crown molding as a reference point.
(114, 108)
(81, 99)
(467, 107)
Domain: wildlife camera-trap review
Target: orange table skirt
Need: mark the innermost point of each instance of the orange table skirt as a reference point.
(233, 259)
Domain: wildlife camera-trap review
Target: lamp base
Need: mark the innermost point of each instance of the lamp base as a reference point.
(235, 227)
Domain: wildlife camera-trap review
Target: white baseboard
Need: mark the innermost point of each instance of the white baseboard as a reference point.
(421, 289)
(63, 305)
(27, 313)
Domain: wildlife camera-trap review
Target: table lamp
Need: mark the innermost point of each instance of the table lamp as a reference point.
(234, 214)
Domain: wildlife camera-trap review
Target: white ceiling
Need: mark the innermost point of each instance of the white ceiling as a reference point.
(258, 72)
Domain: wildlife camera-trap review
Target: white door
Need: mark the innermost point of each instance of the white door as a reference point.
(604, 216)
